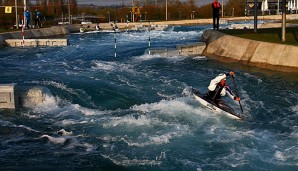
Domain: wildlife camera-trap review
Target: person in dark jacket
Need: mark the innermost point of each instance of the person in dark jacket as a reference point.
(216, 13)
(37, 18)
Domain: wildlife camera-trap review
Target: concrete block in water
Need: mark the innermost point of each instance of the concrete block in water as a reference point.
(36, 42)
(8, 96)
(191, 49)
(164, 52)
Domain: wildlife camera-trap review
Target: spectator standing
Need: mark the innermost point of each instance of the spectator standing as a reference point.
(27, 18)
(37, 18)
(216, 13)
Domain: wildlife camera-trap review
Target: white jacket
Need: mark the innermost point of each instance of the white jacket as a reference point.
(215, 81)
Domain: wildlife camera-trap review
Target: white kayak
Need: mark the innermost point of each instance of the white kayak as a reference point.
(217, 108)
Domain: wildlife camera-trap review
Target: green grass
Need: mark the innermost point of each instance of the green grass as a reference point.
(292, 21)
(272, 35)
(2, 30)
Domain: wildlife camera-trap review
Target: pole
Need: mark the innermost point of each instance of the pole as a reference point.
(277, 7)
(283, 37)
(115, 40)
(25, 5)
(255, 16)
(69, 12)
(179, 15)
(222, 8)
(166, 10)
(126, 23)
(23, 23)
(149, 44)
(16, 7)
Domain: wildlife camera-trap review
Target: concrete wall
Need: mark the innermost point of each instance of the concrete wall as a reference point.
(272, 56)
(34, 33)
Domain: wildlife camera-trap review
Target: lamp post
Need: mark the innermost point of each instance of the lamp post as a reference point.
(83, 17)
(16, 7)
(283, 27)
(25, 8)
(166, 9)
(69, 12)
(145, 16)
(180, 15)
(222, 8)
(109, 16)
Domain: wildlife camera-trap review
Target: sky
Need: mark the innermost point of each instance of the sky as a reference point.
(125, 2)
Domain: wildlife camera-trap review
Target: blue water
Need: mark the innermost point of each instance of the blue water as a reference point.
(136, 111)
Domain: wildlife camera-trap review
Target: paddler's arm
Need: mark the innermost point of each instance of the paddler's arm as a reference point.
(231, 94)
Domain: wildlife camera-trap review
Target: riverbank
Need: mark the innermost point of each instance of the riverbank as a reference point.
(273, 56)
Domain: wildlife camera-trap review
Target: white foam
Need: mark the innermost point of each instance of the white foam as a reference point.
(85, 111)
(63, 132)
(170, 58)
(28, 128)
(61, 86)
(66, 122)
(127, 120)
(55, 140)
(279, 156)
(295, 109)
(249, 75)
(49, 103)
(200, 58)
(112, 67)
(122, 160)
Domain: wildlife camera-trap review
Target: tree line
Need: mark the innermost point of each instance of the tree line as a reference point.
(156, 10)
(153, 10)
(50, 9)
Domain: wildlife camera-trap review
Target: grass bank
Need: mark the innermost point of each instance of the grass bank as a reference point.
(272, 35)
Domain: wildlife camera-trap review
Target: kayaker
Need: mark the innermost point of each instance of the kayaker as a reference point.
(218, 87)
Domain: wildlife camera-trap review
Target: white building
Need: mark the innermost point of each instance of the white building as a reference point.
(269, 7)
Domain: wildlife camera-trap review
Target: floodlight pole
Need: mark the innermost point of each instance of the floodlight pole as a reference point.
(69, 12)
(283, 34)
(255, 16)
(166, 10)
(222, 8)
(16, 7)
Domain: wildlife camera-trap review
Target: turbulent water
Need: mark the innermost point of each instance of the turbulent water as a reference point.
(136, 111)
